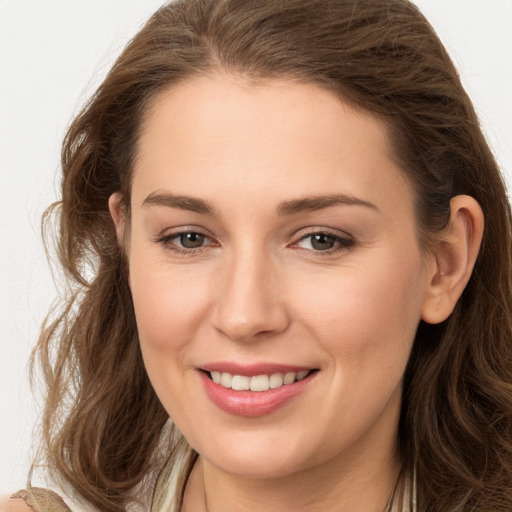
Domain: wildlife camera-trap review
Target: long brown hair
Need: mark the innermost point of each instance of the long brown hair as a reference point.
(102, 420)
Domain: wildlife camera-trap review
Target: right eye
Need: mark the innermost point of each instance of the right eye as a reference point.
(185, 241)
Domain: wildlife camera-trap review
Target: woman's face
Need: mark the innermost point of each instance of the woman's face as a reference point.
(272, 237)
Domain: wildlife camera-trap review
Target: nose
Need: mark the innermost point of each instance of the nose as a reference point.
(250, 303)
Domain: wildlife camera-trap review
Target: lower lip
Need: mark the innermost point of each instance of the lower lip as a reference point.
(253, 403)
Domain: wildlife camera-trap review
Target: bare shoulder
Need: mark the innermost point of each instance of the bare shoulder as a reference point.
(13, 505)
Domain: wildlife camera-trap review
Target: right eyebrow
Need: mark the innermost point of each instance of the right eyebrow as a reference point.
(183, 202)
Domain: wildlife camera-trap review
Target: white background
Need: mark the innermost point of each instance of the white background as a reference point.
(53, 53)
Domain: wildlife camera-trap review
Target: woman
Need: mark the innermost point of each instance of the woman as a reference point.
(272, 219)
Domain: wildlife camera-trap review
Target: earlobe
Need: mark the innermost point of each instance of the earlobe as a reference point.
(117, 212)
(454, 257)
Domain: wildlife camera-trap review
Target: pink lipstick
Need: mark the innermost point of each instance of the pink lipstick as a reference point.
(253, 390)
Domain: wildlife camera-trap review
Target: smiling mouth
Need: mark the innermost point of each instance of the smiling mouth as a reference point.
(257, 383)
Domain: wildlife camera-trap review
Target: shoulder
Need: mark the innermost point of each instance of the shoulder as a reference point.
(13, 505)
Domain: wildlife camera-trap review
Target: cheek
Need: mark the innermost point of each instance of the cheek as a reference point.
(169, 305)
(367, 312)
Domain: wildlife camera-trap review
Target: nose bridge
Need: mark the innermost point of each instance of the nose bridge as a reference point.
(248, 299)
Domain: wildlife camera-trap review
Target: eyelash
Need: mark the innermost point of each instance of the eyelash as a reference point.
(341, 243)
(167, 241)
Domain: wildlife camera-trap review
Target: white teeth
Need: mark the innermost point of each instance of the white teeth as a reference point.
(289, 378)
(276, 380)
(302, 374)
(226, 379)
(240, 382)
(258, 382)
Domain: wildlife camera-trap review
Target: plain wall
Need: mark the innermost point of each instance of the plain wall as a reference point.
(53, 53)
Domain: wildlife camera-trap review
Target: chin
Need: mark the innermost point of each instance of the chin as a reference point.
(270, 458)
(256, 468)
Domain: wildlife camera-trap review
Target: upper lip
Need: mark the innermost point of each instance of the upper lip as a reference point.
(251, 370)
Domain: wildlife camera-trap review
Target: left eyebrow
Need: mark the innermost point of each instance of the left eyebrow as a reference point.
(319, 202)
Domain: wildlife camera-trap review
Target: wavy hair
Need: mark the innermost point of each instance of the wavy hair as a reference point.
(102, 420)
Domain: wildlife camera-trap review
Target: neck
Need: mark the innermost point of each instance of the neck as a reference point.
(362, 485)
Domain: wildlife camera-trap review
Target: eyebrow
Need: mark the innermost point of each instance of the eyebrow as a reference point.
(182, 202)
(319, 202)
(284, 208)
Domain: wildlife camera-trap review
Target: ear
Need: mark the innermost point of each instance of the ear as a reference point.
(454, 257)
(118, 214)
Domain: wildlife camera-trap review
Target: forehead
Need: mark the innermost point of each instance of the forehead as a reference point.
(222, 129)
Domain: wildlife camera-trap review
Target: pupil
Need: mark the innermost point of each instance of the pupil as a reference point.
(192, 240)
(322, 242)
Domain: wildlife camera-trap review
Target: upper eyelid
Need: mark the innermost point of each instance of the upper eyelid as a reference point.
(173, 232)
(317, 230)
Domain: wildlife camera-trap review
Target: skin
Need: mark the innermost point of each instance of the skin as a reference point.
(7, 505)
(258, 290)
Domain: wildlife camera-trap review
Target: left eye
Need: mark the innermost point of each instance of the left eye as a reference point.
(323, 242)
(190, 240)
